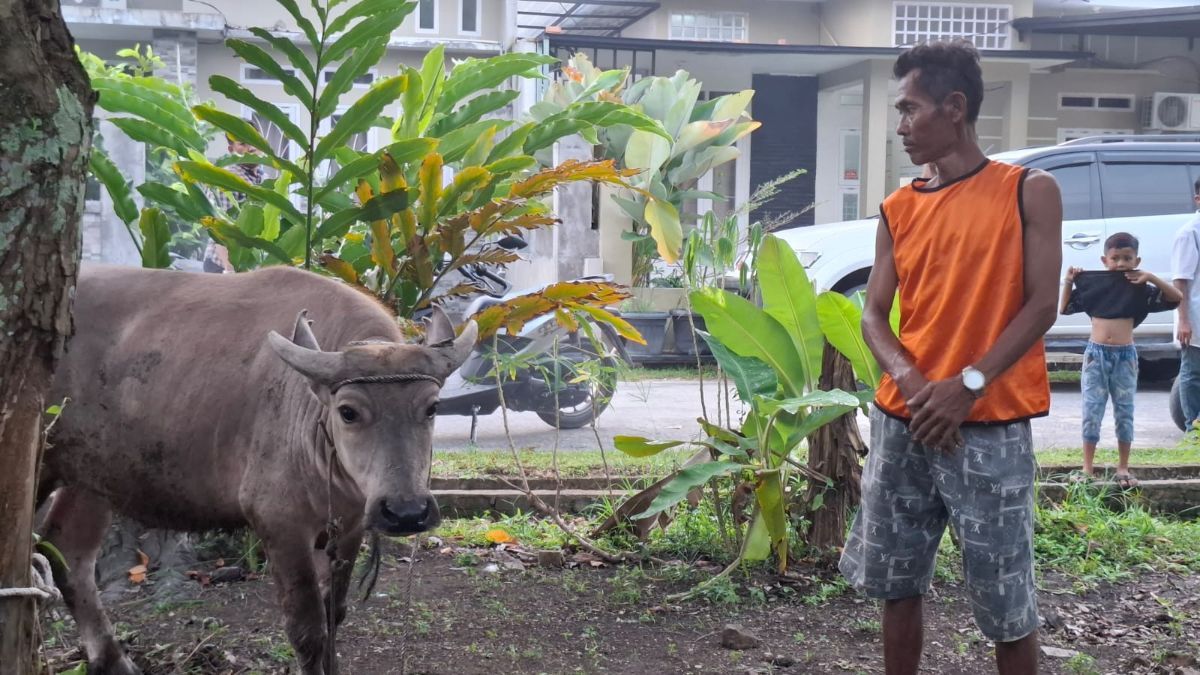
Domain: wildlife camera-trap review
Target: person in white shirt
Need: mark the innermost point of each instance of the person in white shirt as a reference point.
(1185, 274)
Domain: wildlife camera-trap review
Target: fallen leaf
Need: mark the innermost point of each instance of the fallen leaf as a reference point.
(499, 536)
(137, 574)
(143, 558)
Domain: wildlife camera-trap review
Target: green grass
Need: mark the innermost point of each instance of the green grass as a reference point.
(475, 463)
(1065, 376)
(1185, 453)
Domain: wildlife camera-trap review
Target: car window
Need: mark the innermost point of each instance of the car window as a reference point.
(1075, 183)
(1146, 189)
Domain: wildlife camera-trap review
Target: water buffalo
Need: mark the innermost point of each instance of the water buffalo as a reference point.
(188, 411)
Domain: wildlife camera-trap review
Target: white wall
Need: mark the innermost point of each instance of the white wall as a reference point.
(769, 22)
(868, 23)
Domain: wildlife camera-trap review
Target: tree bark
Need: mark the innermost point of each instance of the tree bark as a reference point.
(45, 136)
(834, 451)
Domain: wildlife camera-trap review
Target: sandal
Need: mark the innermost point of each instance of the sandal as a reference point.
(1125, 480)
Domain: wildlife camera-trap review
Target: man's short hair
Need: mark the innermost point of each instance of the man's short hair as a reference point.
(945, 67)
(1121, 240)
(1196, 188)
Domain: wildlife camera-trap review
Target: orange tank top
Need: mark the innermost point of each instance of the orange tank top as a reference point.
(959, 259)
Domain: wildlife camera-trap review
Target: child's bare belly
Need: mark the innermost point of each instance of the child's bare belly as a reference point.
(1112, 331)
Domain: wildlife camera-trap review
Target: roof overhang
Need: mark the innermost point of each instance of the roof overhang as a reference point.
(581, 17)
(817, 58)
(103, 23)
(1178, 22)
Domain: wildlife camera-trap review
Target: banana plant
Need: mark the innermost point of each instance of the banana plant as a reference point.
(700, 135)
(773, 355)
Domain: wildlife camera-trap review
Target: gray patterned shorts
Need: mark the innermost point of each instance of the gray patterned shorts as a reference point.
(985, 491)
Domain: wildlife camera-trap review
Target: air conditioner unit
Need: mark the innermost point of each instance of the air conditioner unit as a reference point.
(1171, 112)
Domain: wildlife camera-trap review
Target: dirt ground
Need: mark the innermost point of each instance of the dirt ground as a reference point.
(483, 611)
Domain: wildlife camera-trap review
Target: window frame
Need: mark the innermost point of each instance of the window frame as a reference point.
(1184, 160)
(437, 11)
(925, 9)
(1096, 198)
(292, 111)
(462, 15)
(373, 72)
(245, 77)
(718, 18)
(1095, 106)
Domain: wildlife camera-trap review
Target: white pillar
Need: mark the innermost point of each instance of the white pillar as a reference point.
(872, 177)
(1016, 115)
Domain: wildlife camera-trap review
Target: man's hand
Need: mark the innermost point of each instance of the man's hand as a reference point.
(1184, 334)
(938, 410)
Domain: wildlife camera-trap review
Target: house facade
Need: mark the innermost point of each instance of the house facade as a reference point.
(1054, 70)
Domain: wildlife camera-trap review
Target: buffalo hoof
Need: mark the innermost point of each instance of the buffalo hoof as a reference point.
(119, 666)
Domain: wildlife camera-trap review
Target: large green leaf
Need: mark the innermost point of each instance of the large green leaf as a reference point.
(663, 219)
(894, 315)
(841, 321)
(473, 111)
(271, 213)
(381, 25)
(230, 235)
(239, 94)
(512, 144)
(244, 132)
(295, 56)
(758, 540)
(788, 297)
(123, 96)
(684, 482)
(646, 152)
(361, 115)
(454, 145)
(181, 203)
(637, 446)
(218, 177)
(150, 134)
(731, 106)
(484, 74)
(156, 239)
(589, 114)
(772, 506)
(302, 21)
(360, 61)
(368, 9)
(813, 399)
(751, 376)
(377, 208)
(258, 57)
(749, 331)
(118, 189)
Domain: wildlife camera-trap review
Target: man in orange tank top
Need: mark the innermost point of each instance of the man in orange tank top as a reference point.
(974, 251)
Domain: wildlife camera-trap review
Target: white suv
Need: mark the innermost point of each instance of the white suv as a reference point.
(1137, 184)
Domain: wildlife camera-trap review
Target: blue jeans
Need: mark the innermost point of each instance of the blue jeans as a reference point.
(1189, 383)
(1109, 371)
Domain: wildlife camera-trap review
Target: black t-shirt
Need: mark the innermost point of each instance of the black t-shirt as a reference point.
(1105, 294)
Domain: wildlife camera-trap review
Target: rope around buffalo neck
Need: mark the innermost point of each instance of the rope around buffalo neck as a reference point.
(43, 587)
(385, 379)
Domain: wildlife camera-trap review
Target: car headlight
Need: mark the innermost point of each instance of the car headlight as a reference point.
(808, 258)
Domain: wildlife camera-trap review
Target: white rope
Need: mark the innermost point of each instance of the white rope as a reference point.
(43, 582)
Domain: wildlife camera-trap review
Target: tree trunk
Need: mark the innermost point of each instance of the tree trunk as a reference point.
(834, 451)
(45, 135)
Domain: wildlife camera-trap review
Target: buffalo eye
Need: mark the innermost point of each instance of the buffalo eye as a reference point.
(347, 414)
(432, 411)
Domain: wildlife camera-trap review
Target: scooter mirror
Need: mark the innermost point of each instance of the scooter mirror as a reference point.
(512, 242)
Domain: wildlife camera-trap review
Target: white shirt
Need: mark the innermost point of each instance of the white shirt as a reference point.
(1185, 264)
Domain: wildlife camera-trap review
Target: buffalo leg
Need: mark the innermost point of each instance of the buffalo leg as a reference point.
(300, 598)
(76, 525)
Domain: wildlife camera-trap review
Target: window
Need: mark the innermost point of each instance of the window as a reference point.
(1115, 102)
(362, 82)
(850, 205)
(427, 16)
(260, 76)
(469, 17)
(284, 147)
(988, 26)
(1145, 189)
(1075, 182)
(710, 26)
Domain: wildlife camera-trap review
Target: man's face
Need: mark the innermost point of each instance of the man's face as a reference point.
(927, 128)
(1121, 259)
(240, 148)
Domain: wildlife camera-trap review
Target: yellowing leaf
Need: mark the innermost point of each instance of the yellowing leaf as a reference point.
(340, 268)
(499, 536)
(663, 218)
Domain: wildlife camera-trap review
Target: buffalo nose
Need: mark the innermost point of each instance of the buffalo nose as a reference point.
(408, 516)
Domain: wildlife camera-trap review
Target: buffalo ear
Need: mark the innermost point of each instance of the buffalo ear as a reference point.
(438, 328)
(320, 368)
(302, 334)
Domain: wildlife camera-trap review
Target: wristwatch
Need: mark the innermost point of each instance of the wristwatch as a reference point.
(974, 380)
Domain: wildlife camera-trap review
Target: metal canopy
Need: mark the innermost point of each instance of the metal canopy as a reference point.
(580, 17)
(1181, 22)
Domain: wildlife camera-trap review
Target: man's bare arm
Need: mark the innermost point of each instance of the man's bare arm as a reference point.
(1184, 334)
(877, 330)
(1043, 260)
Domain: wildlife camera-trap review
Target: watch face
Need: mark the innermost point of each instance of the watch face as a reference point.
(973, 379)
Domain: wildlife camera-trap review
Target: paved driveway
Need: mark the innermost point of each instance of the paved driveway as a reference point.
(667, 409)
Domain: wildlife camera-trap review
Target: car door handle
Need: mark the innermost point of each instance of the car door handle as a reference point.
(1082, 240)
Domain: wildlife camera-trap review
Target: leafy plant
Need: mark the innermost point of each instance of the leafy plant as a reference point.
(773, 355)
